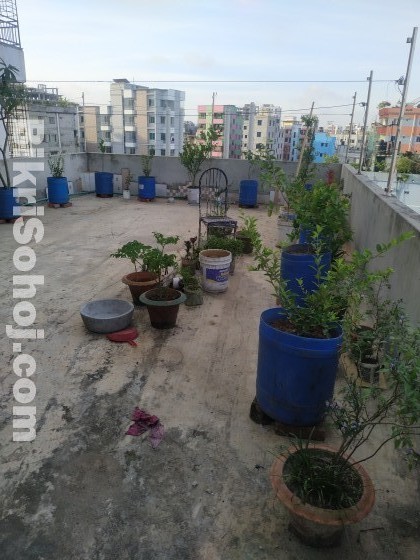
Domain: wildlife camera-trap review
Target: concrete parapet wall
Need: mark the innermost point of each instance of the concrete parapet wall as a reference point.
(378, 218)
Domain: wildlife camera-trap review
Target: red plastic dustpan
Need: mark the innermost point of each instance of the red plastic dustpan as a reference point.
(126, 335)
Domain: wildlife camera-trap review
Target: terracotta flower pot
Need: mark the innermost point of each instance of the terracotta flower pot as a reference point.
(140, 282)
(317, 526)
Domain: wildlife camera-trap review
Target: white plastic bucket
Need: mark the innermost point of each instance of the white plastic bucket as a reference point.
(215, 264)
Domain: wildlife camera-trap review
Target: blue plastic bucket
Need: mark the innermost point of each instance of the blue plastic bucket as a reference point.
(298, 263)
(104, 183)
(295, 374)
(7, 202)
(248, 190)
(147, 188)
(58, 190)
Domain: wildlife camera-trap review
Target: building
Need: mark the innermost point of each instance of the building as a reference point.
(324, 145)
(409, 137)
(53, 122)
(291, 136)
(261, 127)
(227, 121)
(141, 120)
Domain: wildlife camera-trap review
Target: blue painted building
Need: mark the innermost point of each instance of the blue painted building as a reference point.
(324, 145)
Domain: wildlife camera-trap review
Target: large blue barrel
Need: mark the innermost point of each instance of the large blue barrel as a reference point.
(7, 202)
(298, 262)
(58, 190)
(295, 374)
(104, 183)
(248, 190)
(147, 188)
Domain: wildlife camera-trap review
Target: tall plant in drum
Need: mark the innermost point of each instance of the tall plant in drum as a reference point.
(12, 96)
(58, 188)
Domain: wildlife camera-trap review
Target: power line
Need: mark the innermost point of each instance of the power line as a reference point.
(209, 81)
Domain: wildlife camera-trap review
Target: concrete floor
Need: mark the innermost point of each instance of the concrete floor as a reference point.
(82, 490)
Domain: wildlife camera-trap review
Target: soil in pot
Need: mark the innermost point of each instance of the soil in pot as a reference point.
(248, 248)
(140, 282)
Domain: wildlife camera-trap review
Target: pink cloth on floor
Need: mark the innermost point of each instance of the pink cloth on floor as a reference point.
(144, 422)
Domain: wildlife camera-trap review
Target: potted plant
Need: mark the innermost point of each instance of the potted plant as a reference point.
(162, 301)
(191, 287)
(147, 183)
(190, 260)
(194, 154)
(104, 186)
(324, 488)
(248, 232)
(12, 96)
(248, 188)
(58, 188)
(128, 178)
(228, 243)
(299, 342)
(143, 278)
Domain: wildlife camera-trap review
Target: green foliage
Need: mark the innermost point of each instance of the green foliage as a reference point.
(56, 165)
(408, 164)
(331, 159)
(101, 146)
(12, 96)
(235, 246)
(150, 259)
(195, 153)
(307, 158)
(146, 163)
(249, 228)
(189, 278)
(327, 207)
(127, 180)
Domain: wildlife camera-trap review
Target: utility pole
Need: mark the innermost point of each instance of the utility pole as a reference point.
(362, 147)
(304, 142)
(391, 174)
(351, 129)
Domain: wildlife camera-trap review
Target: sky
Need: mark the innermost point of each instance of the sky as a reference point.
(282, 52)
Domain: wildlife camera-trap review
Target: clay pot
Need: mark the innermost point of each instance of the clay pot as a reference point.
(163, 312)
(316, 526)
(140, 282)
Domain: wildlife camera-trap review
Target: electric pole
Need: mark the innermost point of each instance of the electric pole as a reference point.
(362, 147)
(391, 174)
(351, 129)
(212, 108)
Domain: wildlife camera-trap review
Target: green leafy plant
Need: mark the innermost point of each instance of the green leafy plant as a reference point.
(232, 244)
(189, 279)
(152, 259)
(196, 152)
(101, 146)
(56, 165)
(127, 180)
(325, 206)
(12, 96)
(146, 163)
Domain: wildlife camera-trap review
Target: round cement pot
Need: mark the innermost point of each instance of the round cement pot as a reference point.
(140, 282)
(316, 526)
(163, 305)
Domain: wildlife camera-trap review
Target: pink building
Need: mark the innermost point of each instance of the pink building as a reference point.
(228, 123)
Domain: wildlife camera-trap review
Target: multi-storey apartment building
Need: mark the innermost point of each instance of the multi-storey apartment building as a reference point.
(291, 136)
(409, 137)
(261, 127)
(227, 121)
(323, 145)
(143, 119)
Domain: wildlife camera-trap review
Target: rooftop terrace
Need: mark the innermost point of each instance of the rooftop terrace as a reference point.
(84, 490)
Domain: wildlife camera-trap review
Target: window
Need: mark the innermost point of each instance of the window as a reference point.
(163, 152)
(162, 120)
(151, 135)
(129, 120)
(172, 121)
(417, 138)
(131, 151)
(162, 103)
(51, 120)
(41, 118)
(218, 115)
(259, 122)
(201, 115)
(163, 136)
(258, 134)
(246, 136)
(172, 152)
(151, 119)
(128, 103)
(151, 102)
(245, 127)
(34, 131)
(108, 135)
